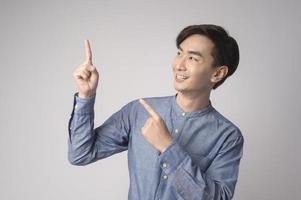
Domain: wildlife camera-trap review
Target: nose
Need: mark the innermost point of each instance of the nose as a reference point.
(180, 64)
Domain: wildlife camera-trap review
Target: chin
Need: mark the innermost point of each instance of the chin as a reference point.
(179, 89)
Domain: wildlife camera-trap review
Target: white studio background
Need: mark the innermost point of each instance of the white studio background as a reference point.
(133, 43)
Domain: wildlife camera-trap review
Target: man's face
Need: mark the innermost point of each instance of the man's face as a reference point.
(192, 66)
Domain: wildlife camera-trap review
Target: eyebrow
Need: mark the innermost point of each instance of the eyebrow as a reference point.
(193, 52)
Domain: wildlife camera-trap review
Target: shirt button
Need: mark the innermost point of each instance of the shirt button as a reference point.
(177, 130)
(183, 114)
(164, 165)
(165, 177)
(76, 106)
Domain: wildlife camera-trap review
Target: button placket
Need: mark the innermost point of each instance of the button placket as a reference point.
(164, 166)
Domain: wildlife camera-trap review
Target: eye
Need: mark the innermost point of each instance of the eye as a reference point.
(193, 58)
(179, 53)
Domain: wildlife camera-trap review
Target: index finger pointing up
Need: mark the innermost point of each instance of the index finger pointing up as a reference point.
(149, 109)
(88, 52)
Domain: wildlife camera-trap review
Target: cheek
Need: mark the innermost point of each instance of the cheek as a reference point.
(200, 76)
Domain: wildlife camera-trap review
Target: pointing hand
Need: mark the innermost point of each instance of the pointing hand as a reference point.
(86, 75)
(155, 130)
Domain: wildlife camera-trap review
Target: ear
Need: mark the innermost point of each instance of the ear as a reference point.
(220, 73)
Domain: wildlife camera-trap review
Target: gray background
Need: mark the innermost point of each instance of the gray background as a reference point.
(133, 44)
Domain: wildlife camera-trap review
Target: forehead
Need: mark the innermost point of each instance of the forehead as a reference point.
(197, 42)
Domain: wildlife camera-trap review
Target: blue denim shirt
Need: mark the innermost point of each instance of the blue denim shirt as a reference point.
(201, 163)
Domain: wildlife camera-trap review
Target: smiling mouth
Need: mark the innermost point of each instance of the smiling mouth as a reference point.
(181, 77)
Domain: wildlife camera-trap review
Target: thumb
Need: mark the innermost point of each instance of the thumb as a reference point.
(94, 78)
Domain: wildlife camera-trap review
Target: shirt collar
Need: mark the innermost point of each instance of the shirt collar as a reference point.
(179, 112)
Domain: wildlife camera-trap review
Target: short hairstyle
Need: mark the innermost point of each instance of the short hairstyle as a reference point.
(225, 50)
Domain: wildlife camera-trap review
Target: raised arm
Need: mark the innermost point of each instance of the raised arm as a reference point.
(86, 144)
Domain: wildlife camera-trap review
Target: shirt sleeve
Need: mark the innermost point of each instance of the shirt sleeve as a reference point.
(192, 182)
(86, 144)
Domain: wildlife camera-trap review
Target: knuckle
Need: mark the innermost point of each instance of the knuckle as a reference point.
(85, 71)
(157, 118)
(84, 65)
(76, 74)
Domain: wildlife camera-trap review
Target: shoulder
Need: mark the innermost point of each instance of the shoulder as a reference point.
(224, 126)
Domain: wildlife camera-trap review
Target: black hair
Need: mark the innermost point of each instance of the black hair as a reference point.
(225, 50)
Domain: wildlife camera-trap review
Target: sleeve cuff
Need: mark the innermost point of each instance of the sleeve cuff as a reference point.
(83, 106)
(172, 158)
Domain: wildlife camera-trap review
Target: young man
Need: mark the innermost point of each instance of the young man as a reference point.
(179, 147)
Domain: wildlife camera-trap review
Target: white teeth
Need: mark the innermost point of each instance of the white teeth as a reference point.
(181, 77)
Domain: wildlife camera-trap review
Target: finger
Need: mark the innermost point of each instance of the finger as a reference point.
(149, 109)
(88, 52)
(81, 75)
(87, 73)
(87, 66)
(83, 69)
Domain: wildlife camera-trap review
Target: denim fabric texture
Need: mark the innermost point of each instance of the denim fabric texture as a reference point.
(202, 162)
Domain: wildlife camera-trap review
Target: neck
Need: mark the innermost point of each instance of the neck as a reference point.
(192, 102)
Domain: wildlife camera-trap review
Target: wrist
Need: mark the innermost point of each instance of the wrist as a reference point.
(86, 96)
(166, 145)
